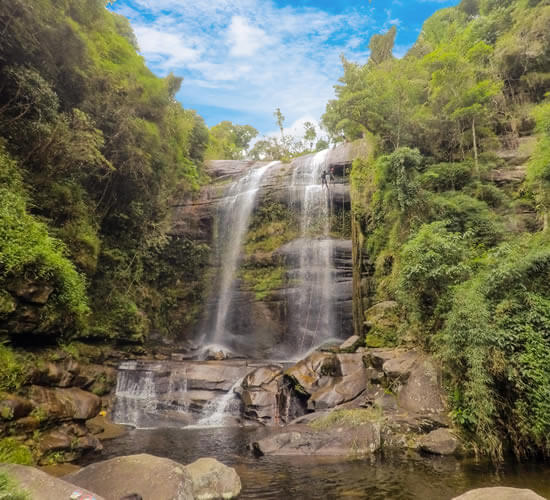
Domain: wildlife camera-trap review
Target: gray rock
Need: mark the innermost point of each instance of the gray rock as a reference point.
(439, 442)
(423, 394)
(499, 493)
(151, 477)
(401, 365)
(351, 343)
(260, 394)
(43, 486)
(212, 479)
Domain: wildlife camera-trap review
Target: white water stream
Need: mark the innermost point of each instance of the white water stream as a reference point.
(235, 213)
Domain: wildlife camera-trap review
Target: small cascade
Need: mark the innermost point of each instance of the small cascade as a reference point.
(217, 411)
(136, 395)
(234, 217)
(313, 310)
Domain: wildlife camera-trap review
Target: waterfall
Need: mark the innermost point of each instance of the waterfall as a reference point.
(312, 311)
(235, 212)
(217, 410)
(136, 395)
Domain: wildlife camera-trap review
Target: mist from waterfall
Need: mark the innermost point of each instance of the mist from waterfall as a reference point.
(234, 218)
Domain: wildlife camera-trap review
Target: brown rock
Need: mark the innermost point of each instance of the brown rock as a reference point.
(70, 403)
(151, 477)
(32, 291)
(13, 407)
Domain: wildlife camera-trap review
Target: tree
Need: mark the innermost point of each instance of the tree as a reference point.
(280, 121)
(310, 134)
(538, 170)
(229, 141)
(381, 46)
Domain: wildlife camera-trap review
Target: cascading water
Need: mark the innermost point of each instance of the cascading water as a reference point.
(235, 212)
(312, 309)
(217, 411)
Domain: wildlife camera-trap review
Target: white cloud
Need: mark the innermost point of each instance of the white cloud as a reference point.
(168, 49)
(245, 40)
(250, 56)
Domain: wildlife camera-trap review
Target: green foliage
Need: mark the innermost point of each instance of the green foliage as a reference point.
(431, 261)
(229, 141)
(27, 249)
(12, 370)
(495, 345)
(538, 172)
(102, 149)
(263, 281)
(9, 488)
(351, 418)
(13, 452)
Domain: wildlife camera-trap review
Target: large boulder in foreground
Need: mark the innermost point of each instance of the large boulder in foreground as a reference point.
(155, 478)
(40, 485)
(151, 477)
(212, 479)
(499, 493)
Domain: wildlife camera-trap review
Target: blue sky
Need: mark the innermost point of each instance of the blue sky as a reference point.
(241, 59)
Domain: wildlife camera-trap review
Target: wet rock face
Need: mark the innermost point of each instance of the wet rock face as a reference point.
(261, 323)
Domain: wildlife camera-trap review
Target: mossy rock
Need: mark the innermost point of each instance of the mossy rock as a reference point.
(385, 322)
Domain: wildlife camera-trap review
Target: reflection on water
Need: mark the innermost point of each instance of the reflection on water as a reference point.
(399, 478)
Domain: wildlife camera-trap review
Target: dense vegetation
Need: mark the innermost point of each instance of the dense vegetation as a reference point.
(466, 260)
(93, 149)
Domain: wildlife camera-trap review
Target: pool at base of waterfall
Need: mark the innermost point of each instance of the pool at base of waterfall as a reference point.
(396, 477)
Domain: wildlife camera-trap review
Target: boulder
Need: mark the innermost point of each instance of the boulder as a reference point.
(439, 442)
(13, 407)
(70, 403)
(151, 477)
(41, 485)
(344, 441)
(499, 493)
(351, 344)
(214, 375)
(259, 393)
(212, 479)
(401, 365)
(309, 372)
(423, 394)
(70, 438)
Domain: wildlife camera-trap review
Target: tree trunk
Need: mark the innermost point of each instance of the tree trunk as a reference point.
(475, 146)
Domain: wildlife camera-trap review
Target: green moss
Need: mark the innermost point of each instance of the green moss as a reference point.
(13, 452)
(12, 369)
(349, 418)
(10, 489)
(264, 280)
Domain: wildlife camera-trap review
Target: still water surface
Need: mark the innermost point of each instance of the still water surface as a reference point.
(395, 478)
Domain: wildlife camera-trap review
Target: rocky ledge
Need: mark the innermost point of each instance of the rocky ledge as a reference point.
(352, 404)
